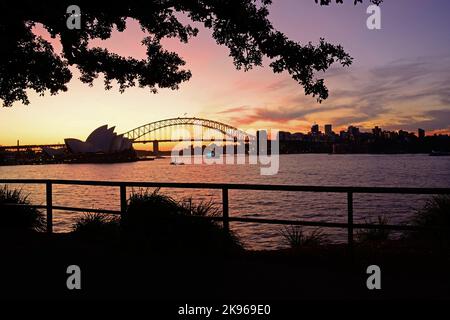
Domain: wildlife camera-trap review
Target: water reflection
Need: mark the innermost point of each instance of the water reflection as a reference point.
(313, 169)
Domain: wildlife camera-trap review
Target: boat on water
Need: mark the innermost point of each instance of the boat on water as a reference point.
(212, 155)
(439, 153)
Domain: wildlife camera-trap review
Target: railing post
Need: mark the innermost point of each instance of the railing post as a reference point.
(350, 220)
(49, 200)
(123, 199)
(225, 212)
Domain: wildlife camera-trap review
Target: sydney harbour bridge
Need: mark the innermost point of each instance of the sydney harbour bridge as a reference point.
(169, 130)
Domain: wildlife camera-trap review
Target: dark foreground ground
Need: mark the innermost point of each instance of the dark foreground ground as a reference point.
(35, 266)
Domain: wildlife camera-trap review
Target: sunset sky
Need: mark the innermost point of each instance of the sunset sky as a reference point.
(400, 79)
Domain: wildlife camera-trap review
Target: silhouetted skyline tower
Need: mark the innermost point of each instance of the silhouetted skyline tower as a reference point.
(421, 133)
(353, 131)
(328, 129)
(315, 129)
(377, 132)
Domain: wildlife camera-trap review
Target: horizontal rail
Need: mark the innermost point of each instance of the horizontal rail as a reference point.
(93, 210)
(65, 208)
(341, 225)
(234, 186)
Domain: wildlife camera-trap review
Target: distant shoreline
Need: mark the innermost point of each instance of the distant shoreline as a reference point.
(52, 162)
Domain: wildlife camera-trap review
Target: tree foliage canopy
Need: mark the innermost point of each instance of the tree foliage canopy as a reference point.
(28, 61)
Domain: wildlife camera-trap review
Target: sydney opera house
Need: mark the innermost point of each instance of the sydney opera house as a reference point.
(103, 145)
(102, 140)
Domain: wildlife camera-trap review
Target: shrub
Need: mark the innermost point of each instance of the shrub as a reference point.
(296, 237)
(167, 224)
(435, 214)
(16, 213)
(96, 226)
(374, 234)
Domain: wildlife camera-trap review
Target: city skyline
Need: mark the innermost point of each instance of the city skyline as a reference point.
(399, 80)
(328, 130)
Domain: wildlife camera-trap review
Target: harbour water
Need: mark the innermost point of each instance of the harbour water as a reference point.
(300, 169)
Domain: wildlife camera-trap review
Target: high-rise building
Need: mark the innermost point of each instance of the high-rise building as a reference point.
(377, 131)
(315, 129)
(353, 131)
(421, 133)
(284, 135)
(328, 129)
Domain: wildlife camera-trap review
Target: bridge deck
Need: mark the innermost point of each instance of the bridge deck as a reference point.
(58, 146)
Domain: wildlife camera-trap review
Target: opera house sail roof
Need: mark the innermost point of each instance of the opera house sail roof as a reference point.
(101, 140)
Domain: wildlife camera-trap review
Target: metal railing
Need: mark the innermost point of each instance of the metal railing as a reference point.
(225, 187)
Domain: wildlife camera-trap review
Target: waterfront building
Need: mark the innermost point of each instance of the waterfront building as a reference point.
(315, 129)
(101, 140)
(421, 133)
(284, 135)
(377, 132)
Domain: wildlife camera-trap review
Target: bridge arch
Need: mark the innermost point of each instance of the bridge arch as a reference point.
(138, 134)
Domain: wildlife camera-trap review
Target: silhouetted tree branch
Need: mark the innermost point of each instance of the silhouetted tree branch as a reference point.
(28, 61)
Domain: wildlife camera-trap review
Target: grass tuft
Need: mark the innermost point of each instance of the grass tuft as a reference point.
(16, 213)
(167, 224)
(374, 234)
(96, 226)
(296, 237)
(435, 214)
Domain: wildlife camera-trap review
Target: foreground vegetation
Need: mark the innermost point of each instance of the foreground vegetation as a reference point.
(16, 214)
(156, 222)
(434, 219)
(166, 249)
